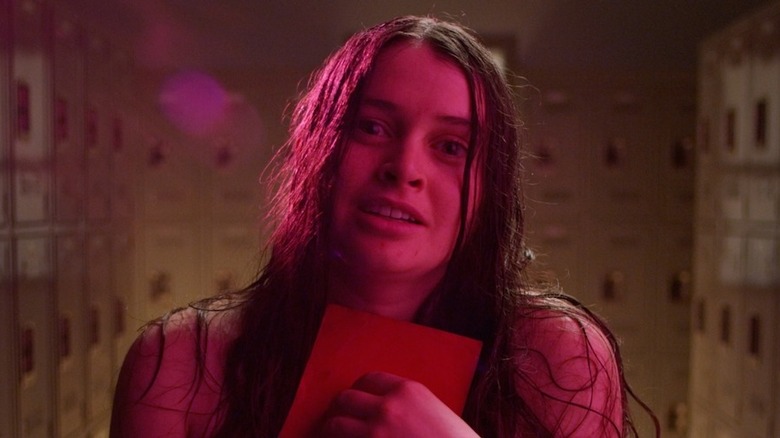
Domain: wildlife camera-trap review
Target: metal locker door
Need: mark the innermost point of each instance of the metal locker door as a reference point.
(559, 147)
(617, 272)
(729, 325)
(99, 115)
(123, 165)
(737, 109)
(763, 199)
(623, 160)
(233, 257)
(5, 110)
(31, 102)
(764, 147)
(68, 78)
(71, 330)
(560, 259)
(8, 345)
(99, 329)
(169, 181)
(759, 363)
(169, 273)
(36, 346)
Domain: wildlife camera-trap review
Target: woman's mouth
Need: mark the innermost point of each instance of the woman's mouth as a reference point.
(391, 213)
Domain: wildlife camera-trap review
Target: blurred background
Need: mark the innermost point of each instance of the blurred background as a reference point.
(135, 135)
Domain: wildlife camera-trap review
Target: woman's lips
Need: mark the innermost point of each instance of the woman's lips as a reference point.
(392, 210)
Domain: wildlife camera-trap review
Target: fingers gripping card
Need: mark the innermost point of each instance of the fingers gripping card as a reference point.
(351, 343)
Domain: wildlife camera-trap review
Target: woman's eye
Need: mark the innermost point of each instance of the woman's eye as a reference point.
(371, 127)
(455, 149)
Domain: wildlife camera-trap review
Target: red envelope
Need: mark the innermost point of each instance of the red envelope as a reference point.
(351, 343)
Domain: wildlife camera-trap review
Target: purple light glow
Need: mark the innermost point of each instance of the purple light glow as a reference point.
(194, 102)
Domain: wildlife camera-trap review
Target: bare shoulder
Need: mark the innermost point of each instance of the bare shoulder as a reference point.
(171, 377)
(567, 372)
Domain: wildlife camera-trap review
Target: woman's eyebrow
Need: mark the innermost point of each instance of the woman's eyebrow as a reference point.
(386, 105)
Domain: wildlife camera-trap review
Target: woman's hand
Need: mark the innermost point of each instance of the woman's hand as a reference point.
(384, 405)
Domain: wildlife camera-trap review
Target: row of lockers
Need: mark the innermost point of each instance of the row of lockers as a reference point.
(65, 192)
(609, 208)
(738, 197)
(67, 153)
(69, 328)
(739, 115)
(76, 311)
(737, 258)
(734, 354)
(734, 362)
(627, 150)
(639, 281)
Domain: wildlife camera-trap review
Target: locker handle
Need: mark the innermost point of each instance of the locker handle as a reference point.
(22, 110)
(94, 325)
(27, 350)
(613, 286)
(65, 337)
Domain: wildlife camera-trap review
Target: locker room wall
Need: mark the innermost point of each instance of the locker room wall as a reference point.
(610, 196)
(737, 230)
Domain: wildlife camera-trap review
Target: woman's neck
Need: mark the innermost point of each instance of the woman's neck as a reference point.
(392, 296)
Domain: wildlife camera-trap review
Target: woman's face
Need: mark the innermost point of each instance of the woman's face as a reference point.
(397, 198)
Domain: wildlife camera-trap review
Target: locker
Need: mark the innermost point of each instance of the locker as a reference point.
(557, 248)
(677, 158)
(763, 199)
(30, 84)
(35, 317)
(732, 260)
(706, 260)
(98, 130)
(762, 261)
(234, 261)
(708, 136)
(100, 336)
(558, 148)
(31, 192)
(168, 275)
(677, 183)
(98, 116)
(123, 165)
(674, 289)
(672, 404)
(765, 115)
(623, 161)
(776, 383)
(759, 363)
(733, 196)
(702, 366)
(169, 182)
(236, 196)
(71, 330)
(68, 78)
(728, 357)
(5, 108)
(617, 273)
(707, 198)
(737, 109)
(700, 423)
(8, 340)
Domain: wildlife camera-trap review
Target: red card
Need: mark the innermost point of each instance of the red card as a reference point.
(351, 343)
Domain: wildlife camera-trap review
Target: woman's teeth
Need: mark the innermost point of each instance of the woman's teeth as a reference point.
(393, 213)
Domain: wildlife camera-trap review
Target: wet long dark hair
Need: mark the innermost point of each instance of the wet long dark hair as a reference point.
(483, 294)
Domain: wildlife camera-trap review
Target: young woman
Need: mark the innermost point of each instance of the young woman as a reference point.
(400, 195)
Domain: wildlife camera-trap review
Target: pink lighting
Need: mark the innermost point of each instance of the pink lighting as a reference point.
(194, 102)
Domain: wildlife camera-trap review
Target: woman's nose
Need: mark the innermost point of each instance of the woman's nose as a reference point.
(402, 166)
